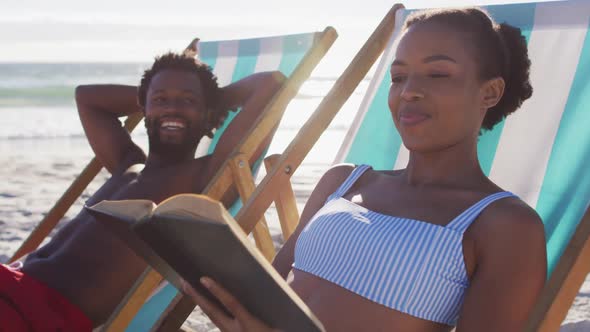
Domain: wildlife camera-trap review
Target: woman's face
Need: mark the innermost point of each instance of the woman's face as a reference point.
(435, 97)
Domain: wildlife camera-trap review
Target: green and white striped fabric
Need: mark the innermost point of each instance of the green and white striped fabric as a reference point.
(541, 153)
(232, 60)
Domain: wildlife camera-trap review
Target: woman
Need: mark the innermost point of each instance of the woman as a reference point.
(437, 244)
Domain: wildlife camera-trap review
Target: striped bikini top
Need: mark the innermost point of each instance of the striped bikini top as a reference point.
(404, 264)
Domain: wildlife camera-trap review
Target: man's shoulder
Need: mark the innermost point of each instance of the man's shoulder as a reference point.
(206, 165)
(131, 165)
(201, 171)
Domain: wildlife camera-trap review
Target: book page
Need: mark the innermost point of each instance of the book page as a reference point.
(127, 210)
(191, 206)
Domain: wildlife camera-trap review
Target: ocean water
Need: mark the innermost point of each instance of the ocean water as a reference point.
(37, 100)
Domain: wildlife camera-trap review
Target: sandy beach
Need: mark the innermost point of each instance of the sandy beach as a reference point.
(36, 170)
(34, 176)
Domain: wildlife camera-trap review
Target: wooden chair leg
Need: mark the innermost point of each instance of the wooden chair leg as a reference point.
(318, 122)
(244, 181)
(285, 201)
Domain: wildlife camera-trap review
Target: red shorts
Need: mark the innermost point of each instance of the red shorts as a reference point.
(28, 305)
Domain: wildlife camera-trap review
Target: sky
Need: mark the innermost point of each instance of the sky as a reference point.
(136, 30)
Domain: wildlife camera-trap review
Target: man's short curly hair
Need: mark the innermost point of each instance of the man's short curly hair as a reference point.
(187, 63)
(500, 51)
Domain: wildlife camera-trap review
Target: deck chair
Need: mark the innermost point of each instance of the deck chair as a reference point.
(541, 153)
(294, 55)
(274, 186)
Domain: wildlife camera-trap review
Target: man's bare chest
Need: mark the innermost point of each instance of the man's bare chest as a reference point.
(155, 186)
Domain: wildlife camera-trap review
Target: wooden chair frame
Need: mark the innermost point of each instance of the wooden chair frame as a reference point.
(235, 171)
(274, 186)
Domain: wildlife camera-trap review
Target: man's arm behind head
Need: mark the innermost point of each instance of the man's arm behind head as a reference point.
(252, 94)
(99, 107)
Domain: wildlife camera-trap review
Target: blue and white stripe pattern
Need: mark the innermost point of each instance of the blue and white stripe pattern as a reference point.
(232, 60)
(408, 265)
(541, 152)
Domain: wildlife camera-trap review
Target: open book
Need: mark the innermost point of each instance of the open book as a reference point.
(189, 236)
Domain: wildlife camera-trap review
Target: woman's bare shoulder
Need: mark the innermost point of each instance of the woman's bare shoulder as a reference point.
(510, 224)
(332, 179)
(510, 213)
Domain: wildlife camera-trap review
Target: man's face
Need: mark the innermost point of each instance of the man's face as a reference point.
(175, 113)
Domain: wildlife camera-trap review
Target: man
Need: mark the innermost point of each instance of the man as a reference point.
(77, 279)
